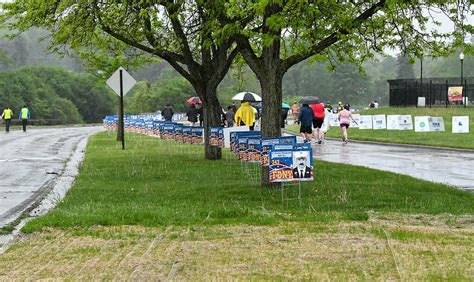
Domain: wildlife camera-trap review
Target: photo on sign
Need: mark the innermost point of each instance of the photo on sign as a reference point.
(301, 165)
(290, 164)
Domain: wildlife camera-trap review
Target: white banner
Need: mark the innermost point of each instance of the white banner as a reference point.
(365, 122)
(355, 121)
(333, 121)
(460, 124)
(393, 122)
(325, 126)
(436, 124)
(405, 122)
(228, 130)
(422, 124)
(378, 122)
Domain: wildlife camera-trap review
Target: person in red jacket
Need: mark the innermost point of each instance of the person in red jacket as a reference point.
(318, 120)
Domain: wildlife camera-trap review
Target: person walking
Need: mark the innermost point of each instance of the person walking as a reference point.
(192, 115)
(245, 115)
(229, 116)
(201, 115)
(305, 118)
(167, 112)
(24, 116)
(295, 110)
(284, 116)
(318, 120)
(7, 116)
(345, 117)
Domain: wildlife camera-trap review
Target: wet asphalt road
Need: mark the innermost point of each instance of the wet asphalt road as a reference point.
(438, 165)
(31, 162)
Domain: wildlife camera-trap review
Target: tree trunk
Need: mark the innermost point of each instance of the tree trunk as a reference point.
(212, 118)
(271, 112)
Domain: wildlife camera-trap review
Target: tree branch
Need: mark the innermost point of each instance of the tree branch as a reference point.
(332, 38)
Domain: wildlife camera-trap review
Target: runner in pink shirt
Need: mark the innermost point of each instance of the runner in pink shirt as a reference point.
(345, 117)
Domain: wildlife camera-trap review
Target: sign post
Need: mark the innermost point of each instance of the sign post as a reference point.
(121, 82)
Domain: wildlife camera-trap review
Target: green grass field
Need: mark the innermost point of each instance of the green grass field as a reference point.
(155, 183)
(158, 211)
(437, 139)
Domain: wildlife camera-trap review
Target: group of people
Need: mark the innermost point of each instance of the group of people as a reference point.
(245, 115)
(308, 116)
(23, 116)
(314, 115)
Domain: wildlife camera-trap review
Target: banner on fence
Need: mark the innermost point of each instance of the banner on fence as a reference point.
(455, 94)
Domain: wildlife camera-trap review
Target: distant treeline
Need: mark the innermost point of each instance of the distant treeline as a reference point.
(52, 93)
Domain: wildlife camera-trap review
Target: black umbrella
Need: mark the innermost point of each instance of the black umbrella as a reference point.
(309, 100)
(247, 97)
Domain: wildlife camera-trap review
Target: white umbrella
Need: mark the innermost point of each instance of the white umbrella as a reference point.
(247, 97)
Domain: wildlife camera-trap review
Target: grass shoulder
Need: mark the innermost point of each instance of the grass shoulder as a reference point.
(160, 183)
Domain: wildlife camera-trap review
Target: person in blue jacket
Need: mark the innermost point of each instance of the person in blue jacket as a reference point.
(305, 119)
(24, 116)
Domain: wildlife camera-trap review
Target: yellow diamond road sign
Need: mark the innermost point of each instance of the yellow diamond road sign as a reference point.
(127, 81)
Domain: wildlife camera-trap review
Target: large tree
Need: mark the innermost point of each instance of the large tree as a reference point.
(181, 32)
(283, 33)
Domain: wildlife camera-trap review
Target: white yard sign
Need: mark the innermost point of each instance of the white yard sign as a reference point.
(436, 124)
(365, 122)
(393, 122)
(405, 122)
(355, 121)
(422, 124)
(378, 122)
(333, 120)
(460, 124)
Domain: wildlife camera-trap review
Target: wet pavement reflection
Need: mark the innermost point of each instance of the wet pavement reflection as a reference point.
(432, 164)
(31, 162)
